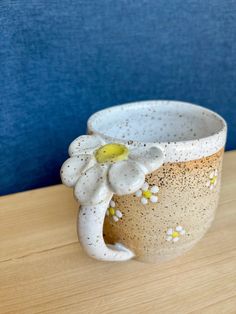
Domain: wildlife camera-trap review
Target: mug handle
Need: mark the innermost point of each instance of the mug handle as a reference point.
(90, 234)
(95, 182)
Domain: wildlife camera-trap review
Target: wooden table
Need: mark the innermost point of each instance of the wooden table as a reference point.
(44, 270)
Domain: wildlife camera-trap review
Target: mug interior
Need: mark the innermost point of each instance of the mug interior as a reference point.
(156, 122)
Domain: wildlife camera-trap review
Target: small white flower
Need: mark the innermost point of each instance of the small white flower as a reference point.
(147, 193)
(212, 179)
(174, 234)
(98, 169)
(116, 214)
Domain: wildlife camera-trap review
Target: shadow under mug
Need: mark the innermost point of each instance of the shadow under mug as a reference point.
(147, 179)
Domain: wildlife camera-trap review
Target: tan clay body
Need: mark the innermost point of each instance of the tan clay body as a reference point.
(185, 199)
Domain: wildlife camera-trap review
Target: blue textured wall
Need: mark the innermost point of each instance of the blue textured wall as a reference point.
(63, 60)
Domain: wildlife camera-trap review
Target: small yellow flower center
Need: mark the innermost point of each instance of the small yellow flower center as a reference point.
(111, 211)
(175, 234)
(111, 153)
(147, 194)
(213, 180)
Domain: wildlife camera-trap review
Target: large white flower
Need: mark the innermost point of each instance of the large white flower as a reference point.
(97, 169)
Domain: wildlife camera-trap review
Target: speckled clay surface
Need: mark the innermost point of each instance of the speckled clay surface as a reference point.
(184, 131)
(184, 199)
(153, 168)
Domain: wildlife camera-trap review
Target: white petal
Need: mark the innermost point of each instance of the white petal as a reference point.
(154, 199)
(212, 174)
(179, 228)
(154, 189)
(125, 177)
(215, 182)
(85, 144)
(115, 218)
(175, 239)
(138, 193)
(149, 159)
(216, 172)
(118, 213)
(73, 167)
(211, 187)
(182, 232)
(92, 187)
(112, 204)
(145, 186)
(169, 238)
(169, 231)
(144, 201)
(208, 184)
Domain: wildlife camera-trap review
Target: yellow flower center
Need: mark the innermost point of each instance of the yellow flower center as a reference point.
(111, 153)
(213, 180)
(175, 234)
(111, 211)
(147, 194)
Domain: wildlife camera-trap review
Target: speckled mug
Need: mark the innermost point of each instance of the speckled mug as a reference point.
(152, 171)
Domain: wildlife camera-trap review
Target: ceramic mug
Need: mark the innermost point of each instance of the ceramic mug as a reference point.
(147, 178)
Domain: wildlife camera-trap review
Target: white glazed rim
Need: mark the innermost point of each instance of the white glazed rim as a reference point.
(177, 151)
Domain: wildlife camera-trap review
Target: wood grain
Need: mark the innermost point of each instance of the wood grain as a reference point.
(44, 270)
